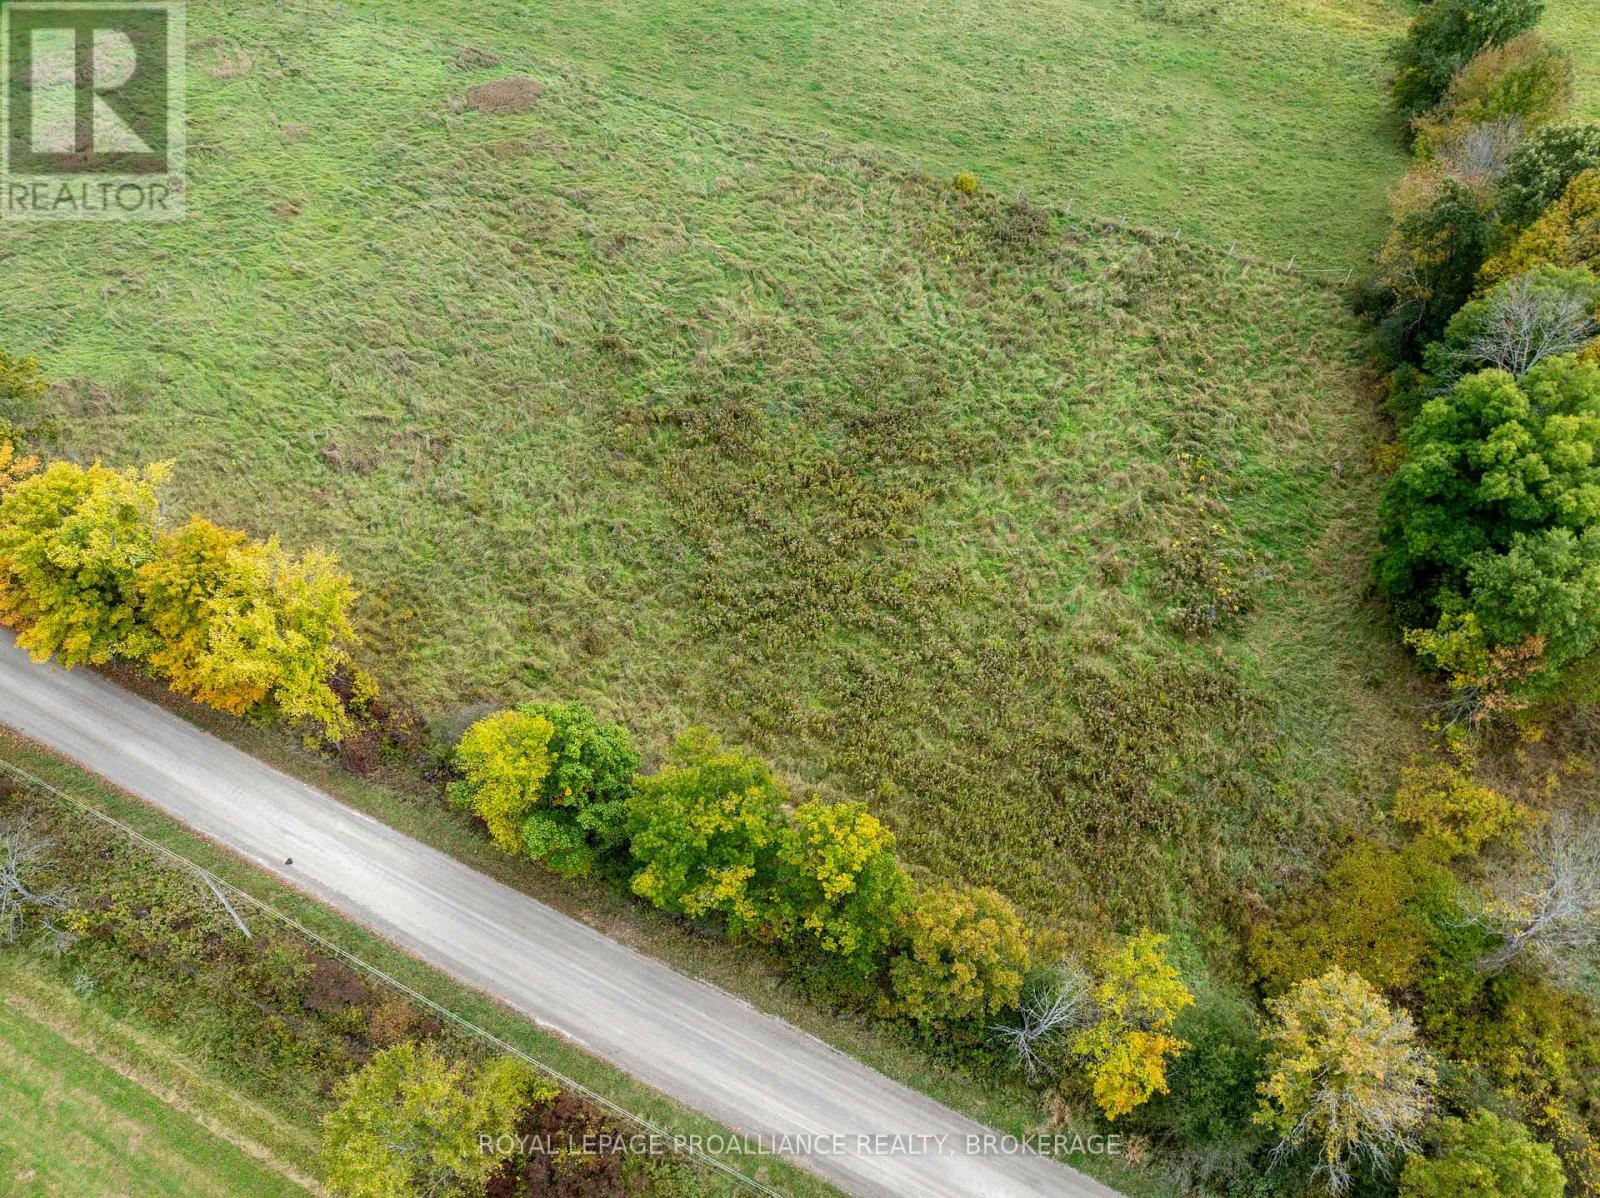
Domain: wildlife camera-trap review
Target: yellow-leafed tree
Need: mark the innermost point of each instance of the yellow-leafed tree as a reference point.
(234, 622)
(71, 540)
(1139, 997)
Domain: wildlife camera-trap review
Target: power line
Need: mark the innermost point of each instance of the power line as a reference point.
(219, 884)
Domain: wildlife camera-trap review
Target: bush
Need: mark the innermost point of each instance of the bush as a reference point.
(1542, 169)
(963, 957)
(1444, 37)
(1369, 913)
(1496, 511)
(1486, 1157)
(21, 388)
(1213, 1086)
(1459, 814)
(71, 540)
(705, 833)
(1566, 236)
(1526, 82)
(1441, 233)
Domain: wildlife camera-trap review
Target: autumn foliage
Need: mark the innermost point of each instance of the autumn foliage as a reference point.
(88, 575)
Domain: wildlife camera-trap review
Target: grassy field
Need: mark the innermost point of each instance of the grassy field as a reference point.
(93, 1110)
(897, 484)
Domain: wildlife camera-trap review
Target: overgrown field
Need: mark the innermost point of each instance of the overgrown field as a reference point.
(90, 1112)
(941, 499)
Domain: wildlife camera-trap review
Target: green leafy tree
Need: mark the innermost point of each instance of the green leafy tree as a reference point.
(71, 541)
(965, 953)
(1444, 37)
(705, 834)
(839, 881)
(1484, 1157)
(411, 1124)
(1441, 232)
(1139, 996)
(1496, 510)
(504, 759)
(1543, 167)
(1346, 1077)
(582, 817)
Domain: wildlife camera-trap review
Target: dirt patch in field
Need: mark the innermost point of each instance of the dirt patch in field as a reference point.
(516, 94)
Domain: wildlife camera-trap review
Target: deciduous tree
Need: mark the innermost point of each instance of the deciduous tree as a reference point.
(411, 1124)
(964, 957)
(504, 759)
(233, 622)
(1496, 511)
(705, 834)
(838, 881)
(1346, 1077)
(71, 541)
(1138, 997)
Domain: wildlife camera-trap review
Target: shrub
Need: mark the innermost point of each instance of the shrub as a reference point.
(21, 388)
(1496, 511)
(1441, 232)
(705, 833)
(1567, 235)
(838, 882)
(1444, 37)
(503, 759)
(964, 955)
(1443, 801)
(1368, 913)
(1543, 168)
(1213, 1086)
(1486, 1157)
(409, 1123)
(232, 622)
(1527, 81)
(71, 540)
(1346, 1077)
(1138, 995)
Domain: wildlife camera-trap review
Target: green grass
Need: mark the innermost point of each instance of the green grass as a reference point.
(91, 1109)
(1575, 24)
(699, 423)
(1231, 120)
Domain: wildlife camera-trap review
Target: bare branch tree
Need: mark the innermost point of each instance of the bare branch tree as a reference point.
(1481, 153)
(1052, 1007)
(1549, 909)
(25, 891)
(1529, 321)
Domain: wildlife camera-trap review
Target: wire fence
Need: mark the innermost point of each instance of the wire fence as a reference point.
(223, 888)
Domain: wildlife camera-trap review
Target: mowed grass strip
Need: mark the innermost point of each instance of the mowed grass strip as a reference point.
(82, 1119)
